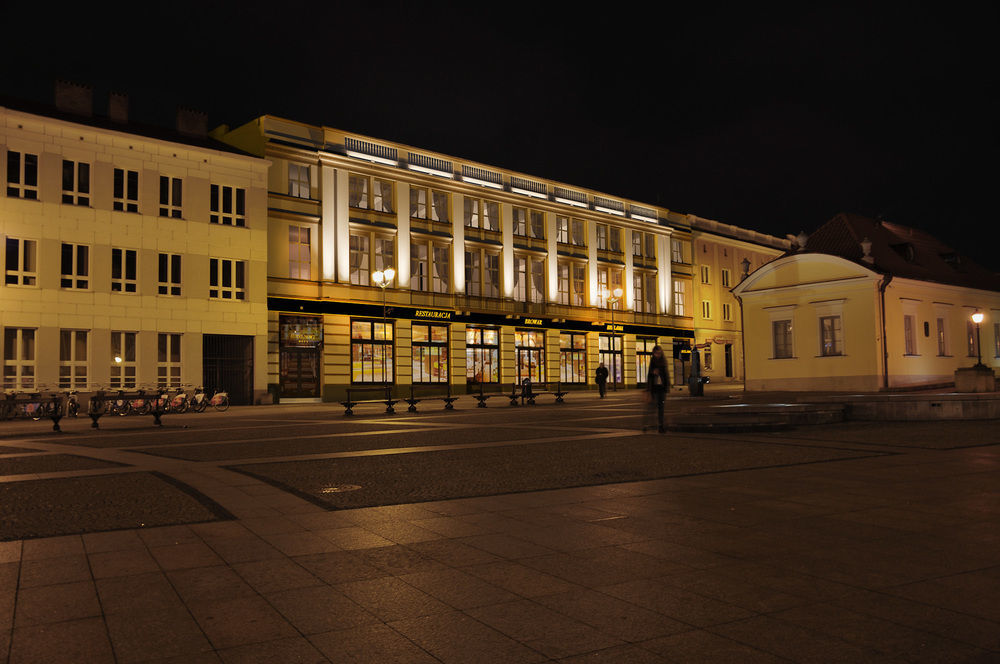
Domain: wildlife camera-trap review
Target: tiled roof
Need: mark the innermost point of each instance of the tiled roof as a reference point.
(900, 251)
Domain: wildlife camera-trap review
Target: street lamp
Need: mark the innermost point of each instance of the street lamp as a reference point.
(977, 318)
(383, 278)
(613, 298)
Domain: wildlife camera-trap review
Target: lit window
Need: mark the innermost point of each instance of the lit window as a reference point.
(359, 253)
(298, 181)
(123, 365)
(529, 355)
(299, 252)
(430, 353)
(367, 193)
(706, 309)
(562, 230)
(371, 351)
(676, 251)
(573, 357)
(438, 208)
(482, 355)
(680, 298)
(482, 214)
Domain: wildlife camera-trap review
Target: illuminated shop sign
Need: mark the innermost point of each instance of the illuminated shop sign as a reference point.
(533, 321)
(430, 313)
(301, 331)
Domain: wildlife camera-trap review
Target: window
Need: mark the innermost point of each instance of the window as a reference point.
(537, 224)
(529, 353)
(615, 239)
(573, 357)
(76, 182)
(430, 353)
(996, 339)
(433, 276)
(909, 335)
(706, 309)
(228, 205)
(528, 223)
(20, 268)
(706, 358)
(368, 193)
(482, 355)
(636, 243)
(563, 270)
(705, 274)
(419, 197)
(781, 335)
(18, 358)
(520, 221)
(227, 279)
(831, 336)
(643, 351)
(73, 359)
(168, 360)
(22, 175)
(170, 197)
(529, 279)
(385, 251)
(169, 274)
(644, 292)
(371, 351)
(602, 237)
(123, 271)
(126, 190)
(298, 181)
(481, 213)
(725, 277)
(299, 252)
(650, 246)
(578, 233)
(676, 251)
(970, 333)
(562, 230)
(942, 338)
(359, 252)
(727, 312)
(577, 298)
(679, 298)
(123, 366)
(482, 273)
(75, 266)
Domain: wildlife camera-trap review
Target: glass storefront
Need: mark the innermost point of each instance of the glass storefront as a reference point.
(430, 353)
(482, 355)
(529, 348)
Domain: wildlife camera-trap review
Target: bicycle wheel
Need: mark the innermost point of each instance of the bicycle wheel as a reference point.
(223, 403)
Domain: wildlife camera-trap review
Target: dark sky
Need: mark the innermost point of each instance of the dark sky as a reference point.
(772, 121)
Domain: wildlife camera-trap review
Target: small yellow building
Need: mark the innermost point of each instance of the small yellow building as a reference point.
(867, 305)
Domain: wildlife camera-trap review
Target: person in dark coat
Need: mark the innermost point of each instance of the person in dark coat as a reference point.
(656, 382)
(601, 378)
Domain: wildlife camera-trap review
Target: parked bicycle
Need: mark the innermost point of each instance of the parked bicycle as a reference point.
(200, 401)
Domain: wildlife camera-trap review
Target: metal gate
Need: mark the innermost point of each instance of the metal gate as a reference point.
(228, 365)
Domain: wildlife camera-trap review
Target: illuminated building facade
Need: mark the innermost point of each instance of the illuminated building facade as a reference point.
(133, 257)
(867, 305)
(497, 276)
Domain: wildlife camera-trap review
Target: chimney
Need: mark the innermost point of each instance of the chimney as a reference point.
(866, 249)
(118, 107)
(74, 98)
(191, 122)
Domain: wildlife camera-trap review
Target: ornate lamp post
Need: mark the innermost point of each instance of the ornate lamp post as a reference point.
(383, 278)
(612, 299)
(977, 318)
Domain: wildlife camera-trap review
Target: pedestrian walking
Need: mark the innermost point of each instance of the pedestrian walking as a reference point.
(656, 384)
(601, 378)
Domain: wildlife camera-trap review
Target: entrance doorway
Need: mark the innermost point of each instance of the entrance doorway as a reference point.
(300, 354)
(227, 364)
(729, 360)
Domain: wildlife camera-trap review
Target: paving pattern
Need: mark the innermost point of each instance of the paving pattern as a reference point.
(554, 533)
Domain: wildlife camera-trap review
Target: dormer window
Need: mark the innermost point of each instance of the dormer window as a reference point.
(905, 249)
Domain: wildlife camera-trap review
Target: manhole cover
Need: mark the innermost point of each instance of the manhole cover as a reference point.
(340, 488)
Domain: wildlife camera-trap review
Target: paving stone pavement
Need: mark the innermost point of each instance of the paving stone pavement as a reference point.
(887, 558)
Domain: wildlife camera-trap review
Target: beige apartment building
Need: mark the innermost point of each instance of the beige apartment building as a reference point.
(133, 257)
(389, 264)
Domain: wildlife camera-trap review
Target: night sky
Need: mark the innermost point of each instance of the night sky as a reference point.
(771, 121)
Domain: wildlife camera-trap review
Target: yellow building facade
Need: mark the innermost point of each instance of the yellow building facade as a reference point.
(132, 258)
(867, 306)
(498, 276)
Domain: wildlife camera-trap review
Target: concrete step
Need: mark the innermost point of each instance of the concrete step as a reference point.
(793, 413)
